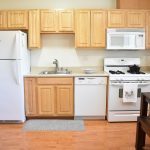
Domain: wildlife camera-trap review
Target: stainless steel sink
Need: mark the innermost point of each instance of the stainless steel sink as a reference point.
(56, 72)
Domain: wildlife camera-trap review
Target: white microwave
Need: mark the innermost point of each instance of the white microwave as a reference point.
(124, 38)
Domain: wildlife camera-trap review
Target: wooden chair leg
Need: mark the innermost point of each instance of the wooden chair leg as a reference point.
(140, 136)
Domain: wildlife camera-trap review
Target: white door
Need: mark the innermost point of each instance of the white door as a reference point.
(11, 91)
(10, 44)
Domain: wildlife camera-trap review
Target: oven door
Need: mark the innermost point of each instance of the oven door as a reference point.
(115, 97)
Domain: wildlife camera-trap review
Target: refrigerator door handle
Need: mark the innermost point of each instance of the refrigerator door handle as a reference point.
(17, 45)
(17, 72)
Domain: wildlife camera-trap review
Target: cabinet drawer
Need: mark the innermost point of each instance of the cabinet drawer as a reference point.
(55, 81)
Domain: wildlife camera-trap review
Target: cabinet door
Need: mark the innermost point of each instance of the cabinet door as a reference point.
(148, 30)
(98, 28)
(18, 19)
(48, 21)
(46, 100)
(65, 100)
(116, 18)
(3, 19)
(82, 33)
(30, 97)
(65, 20)
(136, 19)
(34, 29)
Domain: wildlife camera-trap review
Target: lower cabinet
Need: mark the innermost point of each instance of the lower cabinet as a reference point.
(46, 100)
(52, 97)
(64, 100)
(30, 96)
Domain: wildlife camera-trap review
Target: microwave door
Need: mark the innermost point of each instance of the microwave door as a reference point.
(129, 42)
(115, 41)
(126, 42)
(140, 41)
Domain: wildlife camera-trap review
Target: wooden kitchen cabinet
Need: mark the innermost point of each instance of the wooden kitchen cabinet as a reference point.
(98, 28)
(64, 100)
(90, 28)
(46, 100)
(116, 19)
(136, 19)
(30, 96)
(48, 21)
(148, 29)
(3, 20)
(83, 28)
(49, 97)
(66, 21)
(17, 19)
(34, 29)
(57, 21)
(126, 19)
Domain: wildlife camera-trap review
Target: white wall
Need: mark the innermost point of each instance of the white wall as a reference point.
(12, 4)
(61, 47)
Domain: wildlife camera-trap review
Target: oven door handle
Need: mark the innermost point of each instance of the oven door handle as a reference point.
(143, 84)
(121, 84)
(116, 84)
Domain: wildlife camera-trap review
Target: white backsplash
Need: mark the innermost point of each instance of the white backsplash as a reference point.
(61, 47)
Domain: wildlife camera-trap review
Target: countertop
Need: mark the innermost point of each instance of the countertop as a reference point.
(100, 73)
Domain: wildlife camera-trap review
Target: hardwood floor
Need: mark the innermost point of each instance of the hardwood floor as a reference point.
(98, 135)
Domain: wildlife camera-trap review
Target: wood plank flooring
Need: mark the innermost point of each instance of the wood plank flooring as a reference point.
(98, 135)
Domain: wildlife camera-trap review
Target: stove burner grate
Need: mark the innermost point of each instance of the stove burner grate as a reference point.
(116, 72)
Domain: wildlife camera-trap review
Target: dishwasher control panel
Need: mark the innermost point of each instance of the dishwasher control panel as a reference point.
(90, 80)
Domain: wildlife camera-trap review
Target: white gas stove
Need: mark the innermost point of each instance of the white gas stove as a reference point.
(118, 69)
(126, 82)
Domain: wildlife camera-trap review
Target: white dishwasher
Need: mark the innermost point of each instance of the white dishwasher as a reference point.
(90, 97)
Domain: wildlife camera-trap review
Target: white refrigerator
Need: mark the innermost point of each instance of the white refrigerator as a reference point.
(14, 64)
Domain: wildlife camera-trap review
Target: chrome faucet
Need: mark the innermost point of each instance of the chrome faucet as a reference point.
(56, 63)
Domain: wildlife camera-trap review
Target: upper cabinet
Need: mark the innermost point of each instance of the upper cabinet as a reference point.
(57, 21)
(17, 19)
(116, 18)
(136, 19)
(34, 29)
(83, 27)
(89, 25)
(13, 19)
(90, 28)
(148, 29)
(66, 21)
(48, 21)
(98, 28)
(126, 19)
(3, 19)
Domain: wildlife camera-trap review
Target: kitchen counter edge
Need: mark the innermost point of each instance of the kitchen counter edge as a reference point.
(68, 75)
